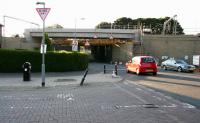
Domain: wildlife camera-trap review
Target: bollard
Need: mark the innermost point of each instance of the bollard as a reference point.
(84, 77)
(116, 69)
(26, 71)
(104, 69)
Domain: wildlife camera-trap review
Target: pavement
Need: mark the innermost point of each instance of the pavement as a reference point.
(103, 98)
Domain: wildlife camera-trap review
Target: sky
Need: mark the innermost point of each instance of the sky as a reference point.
(69, 13)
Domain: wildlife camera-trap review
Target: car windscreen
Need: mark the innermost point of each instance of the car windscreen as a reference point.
(148, 60)
(180, 62)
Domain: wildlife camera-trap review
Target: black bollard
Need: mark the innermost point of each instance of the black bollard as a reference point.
(84, 77)
(26, 71)
(104, 69)
(116, 69)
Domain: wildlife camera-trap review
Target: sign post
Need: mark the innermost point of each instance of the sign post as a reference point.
(43, 12)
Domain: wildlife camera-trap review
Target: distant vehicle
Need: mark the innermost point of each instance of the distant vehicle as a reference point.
(178, 65)
(142, 64)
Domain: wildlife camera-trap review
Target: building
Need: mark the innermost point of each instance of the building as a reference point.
(1, 35)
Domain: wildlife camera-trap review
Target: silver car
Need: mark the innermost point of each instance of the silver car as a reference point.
(179, 65)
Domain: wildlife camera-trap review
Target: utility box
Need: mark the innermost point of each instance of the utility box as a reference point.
(196, 60)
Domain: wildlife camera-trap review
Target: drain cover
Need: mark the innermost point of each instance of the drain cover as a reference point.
(65, 80)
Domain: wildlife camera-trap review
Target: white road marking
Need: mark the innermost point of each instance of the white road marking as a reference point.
(132, 94)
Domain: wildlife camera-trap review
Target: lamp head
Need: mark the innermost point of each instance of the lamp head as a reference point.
(43, 3)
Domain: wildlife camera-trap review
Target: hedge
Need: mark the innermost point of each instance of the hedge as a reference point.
(12, 61)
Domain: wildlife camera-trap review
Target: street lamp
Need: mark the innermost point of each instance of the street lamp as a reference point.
(75, 41)
(43, 47)
(41, 3)
(75, 21)
(111, 35)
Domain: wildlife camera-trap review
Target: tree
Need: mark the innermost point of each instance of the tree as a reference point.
(56, 26)
(123, 23)
(16, 36)
(48, 42)
(104, 25)
(155, 24)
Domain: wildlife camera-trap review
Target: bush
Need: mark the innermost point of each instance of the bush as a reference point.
(12, 61)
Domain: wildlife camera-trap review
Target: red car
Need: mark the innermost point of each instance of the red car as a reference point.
(142, 64)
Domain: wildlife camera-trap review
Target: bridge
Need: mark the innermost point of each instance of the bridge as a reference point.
(105, 44)
(129, 34)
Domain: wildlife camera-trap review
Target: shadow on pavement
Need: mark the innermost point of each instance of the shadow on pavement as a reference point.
(175, 83)
(179, 77)
(182, 98)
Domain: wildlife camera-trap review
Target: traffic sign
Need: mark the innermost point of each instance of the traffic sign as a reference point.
(43, 12)
(74, 45)
(43, 48)
(87, 43)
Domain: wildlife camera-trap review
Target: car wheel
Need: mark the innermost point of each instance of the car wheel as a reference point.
(191, 71)
(165, 67)
(127, 71)
(137, 72)
(154, 73)
(179, 69)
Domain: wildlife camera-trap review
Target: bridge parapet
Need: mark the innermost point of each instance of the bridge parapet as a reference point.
(84, 33)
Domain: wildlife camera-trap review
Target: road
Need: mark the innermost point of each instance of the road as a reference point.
(180, 85)
(102, 99)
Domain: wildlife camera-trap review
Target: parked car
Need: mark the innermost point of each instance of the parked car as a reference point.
(178, 65)
(142, 64)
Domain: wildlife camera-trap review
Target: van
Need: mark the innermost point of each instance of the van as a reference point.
(142, 64)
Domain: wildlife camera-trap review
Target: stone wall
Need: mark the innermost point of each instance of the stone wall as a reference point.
(122, 52)
(181, 47)
(18, 43)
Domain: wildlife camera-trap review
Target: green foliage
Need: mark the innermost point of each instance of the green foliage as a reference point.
(12, 61)
(123, 21)
(48, 42)
(104, 25)
(55, 26)
(156, 24)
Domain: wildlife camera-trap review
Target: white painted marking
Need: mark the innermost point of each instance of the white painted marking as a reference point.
(27, 107)
(168, 97)
(186, 105)
(158, 98)
(169, 106)
(132, 94)
(126, 83)
(69, 97)
(139, 89)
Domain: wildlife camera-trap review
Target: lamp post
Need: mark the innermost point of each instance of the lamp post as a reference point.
(75, 41)
(75, 21)
(43, 47)
(111, 29)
